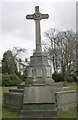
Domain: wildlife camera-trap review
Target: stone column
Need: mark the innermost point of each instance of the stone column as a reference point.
(38, 36)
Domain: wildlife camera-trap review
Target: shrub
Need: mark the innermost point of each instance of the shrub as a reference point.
(69, 78)
(5, 79)
(15, 80)
(58, 77)
(10, 80)
(74, 75)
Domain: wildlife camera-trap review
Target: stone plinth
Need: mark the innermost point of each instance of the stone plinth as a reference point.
(38, 94)
(38, 102)
(39, 71)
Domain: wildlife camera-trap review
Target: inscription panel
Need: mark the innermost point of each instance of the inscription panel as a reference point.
(48, 69)
(39, 72)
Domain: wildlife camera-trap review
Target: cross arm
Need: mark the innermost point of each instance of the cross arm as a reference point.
(44, 16)
(29, 16)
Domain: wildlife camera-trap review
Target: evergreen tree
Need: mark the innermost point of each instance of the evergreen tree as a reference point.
(8, 63)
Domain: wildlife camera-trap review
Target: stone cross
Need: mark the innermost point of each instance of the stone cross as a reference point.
(37, 16)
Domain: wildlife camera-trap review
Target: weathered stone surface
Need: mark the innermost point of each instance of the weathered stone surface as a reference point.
(39, 110)
(39, 114)
(38, 102)
(39, 71)
(39, 106)
(13, 100)
(38, 94)
(65, 99)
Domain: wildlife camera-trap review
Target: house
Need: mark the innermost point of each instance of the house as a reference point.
(21, 65)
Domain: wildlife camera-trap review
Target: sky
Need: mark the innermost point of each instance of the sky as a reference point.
(16, 31)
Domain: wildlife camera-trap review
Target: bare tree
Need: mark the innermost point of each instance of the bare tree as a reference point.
(50, 46)
(61, 48)
(18, 52)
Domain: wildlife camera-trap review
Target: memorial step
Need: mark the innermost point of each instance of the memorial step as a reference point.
(16, 90)
(39, 106)
(38, 113)
(21, 86)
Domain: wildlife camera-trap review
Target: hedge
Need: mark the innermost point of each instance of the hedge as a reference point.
(10, 79)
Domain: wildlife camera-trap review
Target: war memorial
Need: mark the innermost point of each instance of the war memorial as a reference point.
(40, 97)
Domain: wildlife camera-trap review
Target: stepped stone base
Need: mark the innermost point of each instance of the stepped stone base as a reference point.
(38, 102)
(39, 99)
(39, 110)
(14, 98)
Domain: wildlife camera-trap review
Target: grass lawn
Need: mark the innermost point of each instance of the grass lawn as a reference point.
(67, 114)
(0, 102)
(61, 114)
(72, 112)
(6, 89)
(72, 85)
(10, 114)
(6, 113)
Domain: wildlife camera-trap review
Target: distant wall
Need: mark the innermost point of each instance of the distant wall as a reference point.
(65, 99)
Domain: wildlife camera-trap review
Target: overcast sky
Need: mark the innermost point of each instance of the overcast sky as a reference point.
(17, 31)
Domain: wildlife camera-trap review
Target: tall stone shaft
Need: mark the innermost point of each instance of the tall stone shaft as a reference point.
(38, 36)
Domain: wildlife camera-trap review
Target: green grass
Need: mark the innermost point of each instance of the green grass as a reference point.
(72, 86)
(6, 113)
(67, 114)
(6, 89)
(72, 112)
(0, 102)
